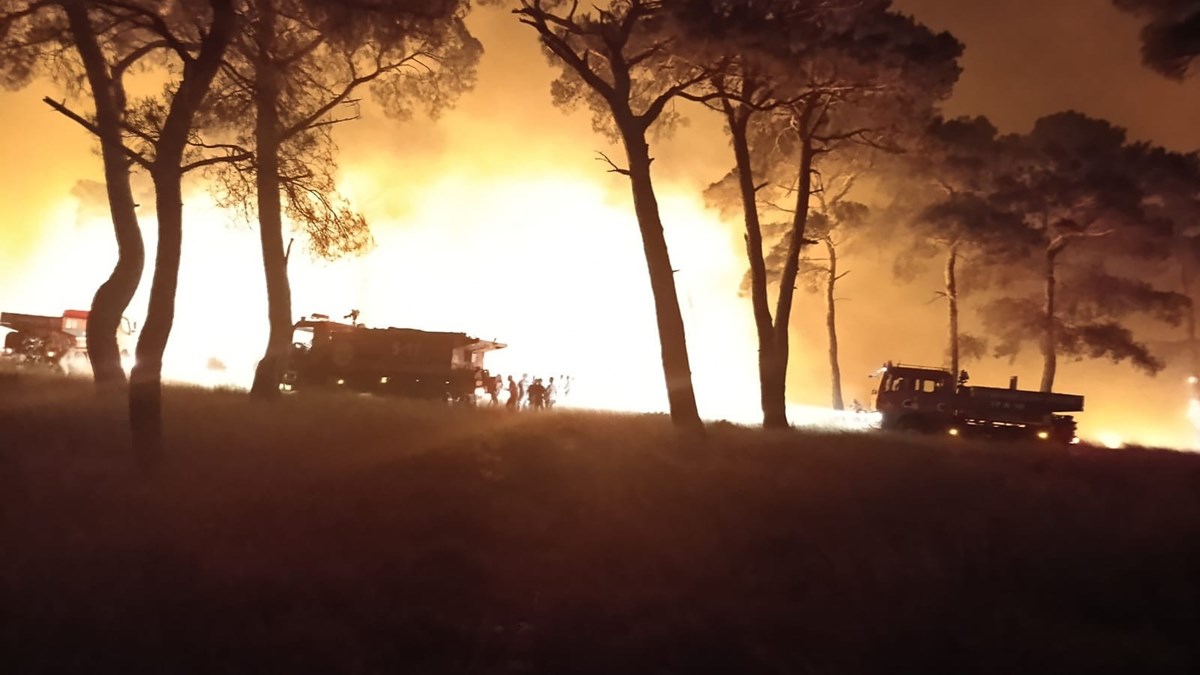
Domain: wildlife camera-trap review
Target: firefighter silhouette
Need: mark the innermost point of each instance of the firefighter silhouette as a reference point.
(494, 389)
(537, 394)
(514, 394)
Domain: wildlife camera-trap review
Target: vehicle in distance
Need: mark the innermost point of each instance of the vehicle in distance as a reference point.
(402, 361)
(933, 400)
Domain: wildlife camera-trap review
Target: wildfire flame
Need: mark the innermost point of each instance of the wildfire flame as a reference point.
(549, 265)
(495, 220)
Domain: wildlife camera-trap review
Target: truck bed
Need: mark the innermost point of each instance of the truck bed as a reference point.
(1015, 405)
(30, 322)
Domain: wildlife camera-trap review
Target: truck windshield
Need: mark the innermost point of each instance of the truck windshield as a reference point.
(303, 337)
(75, 325)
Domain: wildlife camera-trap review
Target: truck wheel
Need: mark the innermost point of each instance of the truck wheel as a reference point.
(910, 425)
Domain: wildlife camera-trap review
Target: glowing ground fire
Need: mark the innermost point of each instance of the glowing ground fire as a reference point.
(550, 265)
(547, 264)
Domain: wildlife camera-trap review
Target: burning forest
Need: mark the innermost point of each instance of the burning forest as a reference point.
(863, 316)
(409, 191)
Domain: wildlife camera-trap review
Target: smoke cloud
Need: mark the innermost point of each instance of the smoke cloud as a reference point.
(499, 220)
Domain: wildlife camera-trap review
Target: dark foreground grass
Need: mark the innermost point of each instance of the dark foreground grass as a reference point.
(351, 535)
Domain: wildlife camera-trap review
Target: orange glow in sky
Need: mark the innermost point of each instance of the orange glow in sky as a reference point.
(497, 220)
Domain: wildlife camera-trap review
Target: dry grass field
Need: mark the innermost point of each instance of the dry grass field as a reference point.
(344, 534)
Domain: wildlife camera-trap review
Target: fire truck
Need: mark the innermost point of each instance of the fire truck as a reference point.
(57, 342)
(403, 361)
(934, 401)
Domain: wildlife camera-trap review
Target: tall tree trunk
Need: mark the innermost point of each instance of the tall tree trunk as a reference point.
(1049, 335)
(270, 216)
(114, 295)
(773, 407)
(145, 386)
(952, 301)
(791, 268)
(676, 367)
(835, 370)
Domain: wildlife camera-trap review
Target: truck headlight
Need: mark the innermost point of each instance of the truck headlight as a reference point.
(1043, 435)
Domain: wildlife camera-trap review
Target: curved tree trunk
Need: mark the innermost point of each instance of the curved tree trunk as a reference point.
(145, 386)
(791, 268)
(773, 407)
(835, 370)
(676, 367)
(114, 295)
(1049, 335)
(952, 302)
(270, 216)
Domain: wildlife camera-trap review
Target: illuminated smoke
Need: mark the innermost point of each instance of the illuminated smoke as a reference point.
(497, 220)
(1193, 409)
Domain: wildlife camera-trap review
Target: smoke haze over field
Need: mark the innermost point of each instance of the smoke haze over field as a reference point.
(498, 220)
(1027, 58)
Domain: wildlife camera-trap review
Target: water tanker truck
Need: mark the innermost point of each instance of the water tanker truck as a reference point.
(934, 401)
(403, 361)
(58, 342)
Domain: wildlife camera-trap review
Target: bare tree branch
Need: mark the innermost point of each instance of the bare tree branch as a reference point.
(615, 169)
(123, 64)
(72, 115)
(209, 161)
(310, 120)
(656, 107)
(540, 20)
(157, 24)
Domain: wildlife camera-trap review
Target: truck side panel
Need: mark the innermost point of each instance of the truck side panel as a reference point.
(1014, 405)
(405, 361)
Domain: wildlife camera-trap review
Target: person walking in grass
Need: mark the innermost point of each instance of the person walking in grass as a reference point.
(537, 394)
(494, 389)
(514, 394)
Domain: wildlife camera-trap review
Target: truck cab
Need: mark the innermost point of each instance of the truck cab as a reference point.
(914, 397)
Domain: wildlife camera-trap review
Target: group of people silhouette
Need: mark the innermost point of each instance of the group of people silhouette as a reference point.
(526, 393)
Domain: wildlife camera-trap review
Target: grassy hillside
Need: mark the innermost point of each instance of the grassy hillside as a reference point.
(342, 534)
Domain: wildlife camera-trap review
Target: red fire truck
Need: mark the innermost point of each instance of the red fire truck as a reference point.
(58, 342)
